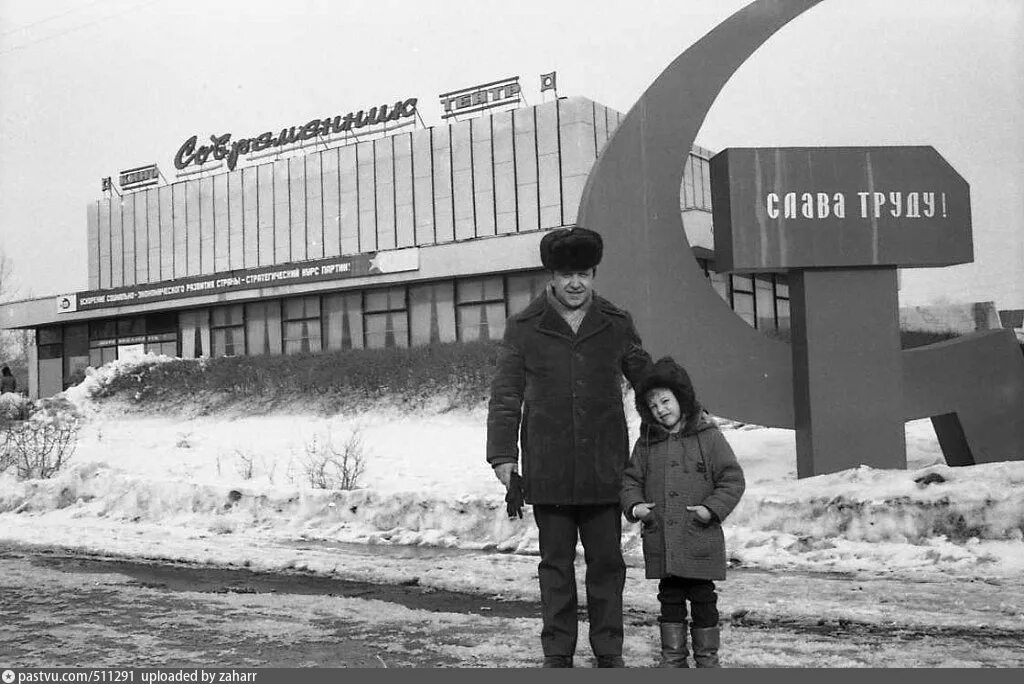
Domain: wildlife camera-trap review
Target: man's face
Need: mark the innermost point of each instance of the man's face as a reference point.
(573, 288)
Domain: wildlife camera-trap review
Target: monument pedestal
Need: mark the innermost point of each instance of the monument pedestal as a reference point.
(847, 370)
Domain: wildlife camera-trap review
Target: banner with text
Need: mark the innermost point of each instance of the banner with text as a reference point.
(353, 266)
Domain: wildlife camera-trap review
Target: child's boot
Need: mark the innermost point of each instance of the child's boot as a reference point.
(673, 645)
(705, 646)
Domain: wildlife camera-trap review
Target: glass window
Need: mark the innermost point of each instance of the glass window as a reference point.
(432, 313)
(50, 351)
(163, 322)
(263, 327)
(783, 309)
(298, 308)
(480, 308)
(103, 330)
(227, 330)
(52, 335)
(227, 315)
(301, 326)
(101, 355)
(706, 166)
(781, 286)
(343, 320)
(720, 282)
(164, 348)
(127, 327)
(76, 339)
(743, 305)
(390, 299)
(743, 297)
(386, 318)
(765, 295)
(524, 287)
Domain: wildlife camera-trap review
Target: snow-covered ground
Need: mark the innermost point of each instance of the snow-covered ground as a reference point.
(214, 489)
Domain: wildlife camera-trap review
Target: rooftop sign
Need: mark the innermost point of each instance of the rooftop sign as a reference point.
(139, 177)
(480, 97)
(222, 147)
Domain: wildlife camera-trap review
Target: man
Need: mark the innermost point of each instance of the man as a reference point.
(557, 391)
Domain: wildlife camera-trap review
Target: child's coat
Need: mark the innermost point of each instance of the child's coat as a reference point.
(695, 466)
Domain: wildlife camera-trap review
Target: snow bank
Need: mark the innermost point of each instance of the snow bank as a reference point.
(426, 483)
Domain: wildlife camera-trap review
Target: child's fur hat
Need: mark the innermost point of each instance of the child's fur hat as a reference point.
(668, 374)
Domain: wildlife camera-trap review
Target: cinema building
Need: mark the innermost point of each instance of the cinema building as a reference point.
(403, 236)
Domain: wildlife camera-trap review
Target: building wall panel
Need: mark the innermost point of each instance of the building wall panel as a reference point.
(314, 207)
(444, 213)
(250, 217)
(600, 125)
(366, 191)
(548, 171)
(423, 186)
(179, 203)
(384, 176)
(462, 180)
(165, 194)
(348, 199)
(282, 213)
(265, 211)
(236, 221)
(128, 237)
(526, 169)
(116, 245)
(332, 206)
(92, 243)
(405, 212)
(576, 126)
(153, 226)
(106, 259)
(221, 225)
(140, 226)
(207, 258)
(505, 209)
(297, 190)
(483, 176)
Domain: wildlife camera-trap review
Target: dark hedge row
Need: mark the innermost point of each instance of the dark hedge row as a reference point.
(459, 372)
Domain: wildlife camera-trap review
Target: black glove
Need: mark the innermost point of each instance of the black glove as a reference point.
(514, 496)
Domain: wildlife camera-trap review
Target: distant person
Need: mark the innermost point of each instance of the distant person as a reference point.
(7, 381)
(557, 397)
(682, 481)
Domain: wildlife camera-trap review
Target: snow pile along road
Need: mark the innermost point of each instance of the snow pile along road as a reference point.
(426, 483)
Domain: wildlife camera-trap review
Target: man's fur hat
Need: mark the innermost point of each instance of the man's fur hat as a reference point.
(571, 249)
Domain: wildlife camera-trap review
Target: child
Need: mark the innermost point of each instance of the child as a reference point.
(682, 481)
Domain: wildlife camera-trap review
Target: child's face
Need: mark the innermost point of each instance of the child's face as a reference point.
(664, 407)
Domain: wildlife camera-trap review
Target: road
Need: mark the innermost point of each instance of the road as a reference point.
(64, 609)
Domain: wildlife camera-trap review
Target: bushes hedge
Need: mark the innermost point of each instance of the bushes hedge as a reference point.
(459, 372)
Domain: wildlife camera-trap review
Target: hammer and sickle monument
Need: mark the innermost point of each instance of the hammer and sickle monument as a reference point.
(839, 221)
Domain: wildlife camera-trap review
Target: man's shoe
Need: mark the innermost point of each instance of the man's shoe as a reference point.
(610, 661)
(557, 661)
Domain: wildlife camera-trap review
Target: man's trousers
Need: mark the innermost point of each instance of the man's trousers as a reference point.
(600, 530)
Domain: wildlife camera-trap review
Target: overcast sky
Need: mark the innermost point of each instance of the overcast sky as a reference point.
(90, 87)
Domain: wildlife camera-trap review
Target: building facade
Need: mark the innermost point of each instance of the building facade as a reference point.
(419, 237)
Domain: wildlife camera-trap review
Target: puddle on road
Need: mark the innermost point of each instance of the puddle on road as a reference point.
(388, 550)
(182, 577)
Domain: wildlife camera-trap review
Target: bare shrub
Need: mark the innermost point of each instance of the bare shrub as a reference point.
(328, 467)
(37, 448)
(244, 464)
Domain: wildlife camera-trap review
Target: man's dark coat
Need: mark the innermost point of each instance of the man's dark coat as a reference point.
(559, 395)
